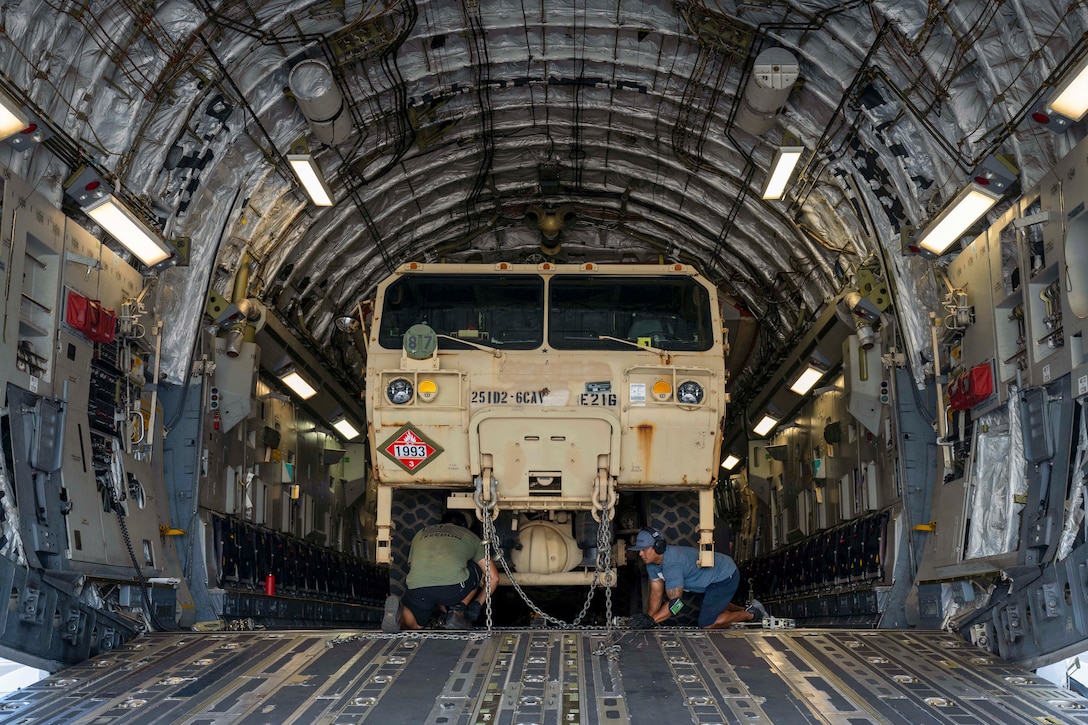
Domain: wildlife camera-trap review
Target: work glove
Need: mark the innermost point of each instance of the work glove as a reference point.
(641, 621)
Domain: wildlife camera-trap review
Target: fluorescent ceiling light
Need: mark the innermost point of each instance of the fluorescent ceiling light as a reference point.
(346, 429)
(951, 224)
(785, 161)
(128, 229)
(1071, 97)
(765, 424)
(730, 462)
(12, 118)
(298, 384)
(807, 380)
(310, 177)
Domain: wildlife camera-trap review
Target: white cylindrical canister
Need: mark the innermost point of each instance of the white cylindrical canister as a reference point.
(773, 75)
(321, 102)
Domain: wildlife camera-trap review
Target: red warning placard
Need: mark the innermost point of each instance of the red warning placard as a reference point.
(411, 449)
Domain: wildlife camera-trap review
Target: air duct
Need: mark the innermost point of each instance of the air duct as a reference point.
(241, 320)
(320, 101)
(234, 339)
(773, 74)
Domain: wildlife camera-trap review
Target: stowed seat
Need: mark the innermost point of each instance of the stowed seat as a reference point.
(652, 329)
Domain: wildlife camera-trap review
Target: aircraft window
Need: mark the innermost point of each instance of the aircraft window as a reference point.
(666, 313)
(501, 311)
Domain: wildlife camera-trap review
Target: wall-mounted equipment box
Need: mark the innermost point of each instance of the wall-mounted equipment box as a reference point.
(1074, 257)
(1044, 289)
(31, 264)
(1007, 281)
(969, 314)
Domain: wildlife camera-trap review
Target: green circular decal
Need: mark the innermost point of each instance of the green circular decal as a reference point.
(420, 342)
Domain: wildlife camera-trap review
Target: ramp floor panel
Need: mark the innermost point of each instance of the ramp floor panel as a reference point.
(518, 677)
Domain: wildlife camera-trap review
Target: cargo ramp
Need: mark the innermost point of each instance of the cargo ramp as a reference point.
(546, 676)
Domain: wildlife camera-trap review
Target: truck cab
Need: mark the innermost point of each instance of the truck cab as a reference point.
(545, 394)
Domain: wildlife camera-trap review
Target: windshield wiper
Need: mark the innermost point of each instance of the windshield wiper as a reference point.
(666, 358)
(478, 345)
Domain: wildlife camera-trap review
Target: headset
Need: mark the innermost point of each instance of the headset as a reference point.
(659, 543)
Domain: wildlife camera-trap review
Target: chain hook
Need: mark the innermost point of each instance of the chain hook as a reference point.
(490, 504)
(604, 495)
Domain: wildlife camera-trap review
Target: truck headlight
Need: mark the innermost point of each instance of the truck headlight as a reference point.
(399, 391)
(689, 393)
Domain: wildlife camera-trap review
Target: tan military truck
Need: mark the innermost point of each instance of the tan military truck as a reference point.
(544, 395)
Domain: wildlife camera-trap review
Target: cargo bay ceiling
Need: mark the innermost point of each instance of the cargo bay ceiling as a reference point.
(585, 131)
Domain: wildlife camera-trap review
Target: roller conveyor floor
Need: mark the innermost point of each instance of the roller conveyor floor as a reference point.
(658, 677)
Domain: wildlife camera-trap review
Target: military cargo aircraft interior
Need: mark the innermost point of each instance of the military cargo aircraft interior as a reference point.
(796, 284)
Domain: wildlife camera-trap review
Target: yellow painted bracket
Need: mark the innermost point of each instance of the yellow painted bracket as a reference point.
(931, 526)
(167, 531)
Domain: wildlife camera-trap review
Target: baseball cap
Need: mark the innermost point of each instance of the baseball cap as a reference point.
(644, 540)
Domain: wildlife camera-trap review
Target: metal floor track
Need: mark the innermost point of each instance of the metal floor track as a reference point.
(517, 677)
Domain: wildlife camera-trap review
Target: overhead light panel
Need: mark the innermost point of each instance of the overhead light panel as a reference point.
(297, 383)
(346, 429)
(730, 462)
(765, 425)
(807, 380)
(953, 222)
(12, 118)
(309, 175)
(996, 172)
(1070, 98)
(128, 229)
(785, 161)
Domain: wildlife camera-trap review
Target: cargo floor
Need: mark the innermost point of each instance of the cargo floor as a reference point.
(517, 677)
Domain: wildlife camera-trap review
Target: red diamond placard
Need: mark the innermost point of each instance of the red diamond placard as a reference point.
(410, 449)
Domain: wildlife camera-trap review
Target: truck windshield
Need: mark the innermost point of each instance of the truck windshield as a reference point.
(671, 313)
(504, 312)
